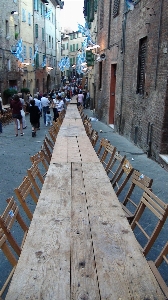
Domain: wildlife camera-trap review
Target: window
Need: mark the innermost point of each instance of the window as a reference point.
(30, 52)
(73, 47)
(141, 65)
(24, 52)
(49, 41)
(8, 64)
(52, 43)
(43, 36)
(71, 61)
(35, 4)
(101, 13)
(36, 31)
(37, 60)
(29, 19)
(116, 8)
(100, 75)
(77, 47)
(67, 46)
(42, 9)
(23, 15)
(7, 28)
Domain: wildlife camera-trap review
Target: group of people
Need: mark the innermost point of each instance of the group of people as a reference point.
(40, 105)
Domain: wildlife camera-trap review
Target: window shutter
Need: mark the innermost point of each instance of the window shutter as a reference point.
(37, 60)
(89, 58)
(29, 18)
(71, 48)
(91, 12)
(77, 47)
(24, 52)
(43, 37)
(101, 13)
(71, 61)
(36, 31)
(30, 52)
(23, 15)
(35, 4)
(141, 66)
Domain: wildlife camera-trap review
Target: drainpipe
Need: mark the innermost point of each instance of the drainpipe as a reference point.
(122, 51)
(159, 34)
(109, 26)
(149, 139)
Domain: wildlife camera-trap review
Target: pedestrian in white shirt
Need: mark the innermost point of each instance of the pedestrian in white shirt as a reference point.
(45, 106)
(60, 106)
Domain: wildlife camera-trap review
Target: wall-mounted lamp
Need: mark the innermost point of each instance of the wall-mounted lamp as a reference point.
(14, 12)
(49, 69)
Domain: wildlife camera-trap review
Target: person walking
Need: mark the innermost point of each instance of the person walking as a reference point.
(22, 111)
(48, 118)
(38, 104)
(80, 99)
(55, 103)
(16, 107)
(34, 116)
(45, 103)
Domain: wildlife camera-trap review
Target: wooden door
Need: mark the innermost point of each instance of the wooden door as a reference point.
(112, 94)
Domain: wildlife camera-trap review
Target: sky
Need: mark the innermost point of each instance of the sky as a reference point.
(72, 14)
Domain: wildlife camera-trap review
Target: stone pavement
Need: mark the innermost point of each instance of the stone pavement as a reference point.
(15, 155)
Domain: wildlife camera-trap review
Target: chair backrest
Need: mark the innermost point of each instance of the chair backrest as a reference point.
(23, 191)
(40, 157)
(102, 147)
(150, 208)
(52, 134)
(94, 137)
(46, 149)
(34, 173)
(139, 182)
(115, 166)
(163, 257)
(50, 143)
(121, 178)
(7, 220)
(10, 257)
(108, 156)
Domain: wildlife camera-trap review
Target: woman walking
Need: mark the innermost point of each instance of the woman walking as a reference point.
(34, 117)
(16, 107)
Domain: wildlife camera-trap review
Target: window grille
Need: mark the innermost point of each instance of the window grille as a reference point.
(116, 8)
(141, 65)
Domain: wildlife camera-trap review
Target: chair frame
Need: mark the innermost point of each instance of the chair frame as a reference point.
(158, 208)
(154, 267)
(34, 172)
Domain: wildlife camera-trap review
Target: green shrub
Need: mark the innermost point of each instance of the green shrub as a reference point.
(9, 92)
(25, 90)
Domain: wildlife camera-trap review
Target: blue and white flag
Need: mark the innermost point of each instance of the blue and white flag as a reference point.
(48, 13)
(130, 4)
(19, 51)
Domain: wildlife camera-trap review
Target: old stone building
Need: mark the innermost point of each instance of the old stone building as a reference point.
(131, 75)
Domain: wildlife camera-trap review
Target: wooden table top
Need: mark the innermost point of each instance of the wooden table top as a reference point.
(79, 244)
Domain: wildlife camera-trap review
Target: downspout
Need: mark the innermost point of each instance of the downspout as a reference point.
(109, 26)
(159, 34)
(122, 51)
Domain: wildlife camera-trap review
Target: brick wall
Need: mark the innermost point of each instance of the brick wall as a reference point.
(137, 117)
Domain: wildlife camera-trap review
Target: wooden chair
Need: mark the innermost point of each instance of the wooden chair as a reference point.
(155, 265)
(52, 134)
(7, 219)
(22, 192)
(34, 173)
(94, 137)
(11, 258)
(108, 155)
(121, 178)
(139, 182)
(115, 165)
(41, 158)
(49, 142)
(150, 204)
(102, 147)
(46, 149)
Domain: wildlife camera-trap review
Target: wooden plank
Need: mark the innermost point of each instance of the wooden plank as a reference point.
(87, 151)
(43, 270)
(60, 151)
(73, 150)
(122, 270)
(84, 283)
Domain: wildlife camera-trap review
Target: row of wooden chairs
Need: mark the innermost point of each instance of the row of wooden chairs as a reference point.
(140, 205)
(27, 193)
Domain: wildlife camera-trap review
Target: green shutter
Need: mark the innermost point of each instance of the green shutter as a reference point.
(71, 48)
(89, 58)
(43, 37)
(37, 60)
(36, 31)
(77, 47)
(71, 61)
(91, 11)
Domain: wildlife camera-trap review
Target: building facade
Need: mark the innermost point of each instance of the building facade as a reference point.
(29, 48)
(131, 75)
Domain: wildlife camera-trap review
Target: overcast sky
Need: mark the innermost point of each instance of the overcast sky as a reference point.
(72, 14)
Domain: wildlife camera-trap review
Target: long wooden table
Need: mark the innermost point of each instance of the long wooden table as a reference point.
(80, 245)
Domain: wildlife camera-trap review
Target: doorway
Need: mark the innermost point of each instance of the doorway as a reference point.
(112, 94)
